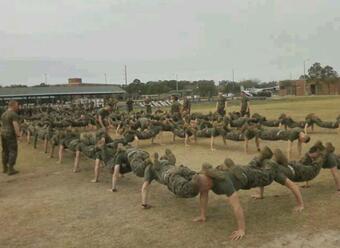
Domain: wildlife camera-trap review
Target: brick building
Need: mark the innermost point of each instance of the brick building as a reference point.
(292, 87)
(301, 88)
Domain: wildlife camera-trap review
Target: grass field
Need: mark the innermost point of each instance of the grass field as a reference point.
(47, 205)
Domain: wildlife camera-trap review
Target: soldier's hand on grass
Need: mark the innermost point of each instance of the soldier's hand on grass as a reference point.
(299, 209)
(237, 235)
(199, 219)
(257, 197)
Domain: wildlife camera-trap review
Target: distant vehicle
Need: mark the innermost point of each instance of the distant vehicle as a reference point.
(229, 95)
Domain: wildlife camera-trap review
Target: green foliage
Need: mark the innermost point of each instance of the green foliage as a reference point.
(16, 86)
(318, 75)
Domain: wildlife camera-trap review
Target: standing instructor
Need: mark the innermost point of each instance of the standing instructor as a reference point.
(10, 131)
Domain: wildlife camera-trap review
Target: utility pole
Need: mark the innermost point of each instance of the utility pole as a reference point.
(105, 78)
(233, 75)
(304, 75)
(176, 83)
(125, 73)
(304, 68)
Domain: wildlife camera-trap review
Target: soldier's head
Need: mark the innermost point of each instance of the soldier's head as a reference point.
(109, 107)
(168, 151)
(13, 105)
(228, 162)
(329, 147)
(314, 152)
(318, 146)
(282, 116)
(303, 138)
(120, 147)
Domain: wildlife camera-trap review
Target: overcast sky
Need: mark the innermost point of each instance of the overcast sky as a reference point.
(157, 39)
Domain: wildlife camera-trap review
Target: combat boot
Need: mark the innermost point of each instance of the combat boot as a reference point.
(265, 153)
(12, 171)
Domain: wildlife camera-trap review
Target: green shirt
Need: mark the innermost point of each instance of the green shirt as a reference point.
(330, 161)
(224, 187)
(7, 119)
(221, 102)
(175, 107)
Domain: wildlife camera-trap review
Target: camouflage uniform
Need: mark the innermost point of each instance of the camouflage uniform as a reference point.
(244, 177)
(244, 106)
(9, 140)
(177, 179)
(147, 104)
(278, 134)
(221, 105)
(299, 171)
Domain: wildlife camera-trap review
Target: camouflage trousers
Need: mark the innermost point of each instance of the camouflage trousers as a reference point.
(181, 132)
(179, 182)
(238, 123)
(270, 134)
(137, 159)
(89, 151)
(9, 150)
(177, 179)
(274, 123)
(234, 136)
(252, 177)
(298, 172)
(327, 124)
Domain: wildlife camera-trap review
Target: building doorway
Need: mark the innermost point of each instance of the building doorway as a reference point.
(313, 89)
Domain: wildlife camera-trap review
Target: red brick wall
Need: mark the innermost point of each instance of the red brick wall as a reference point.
(300, 87)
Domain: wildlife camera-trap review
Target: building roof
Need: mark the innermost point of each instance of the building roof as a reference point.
(60, 90)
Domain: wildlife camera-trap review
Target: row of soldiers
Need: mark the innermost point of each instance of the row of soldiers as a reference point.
(140, 125)
(224, 179)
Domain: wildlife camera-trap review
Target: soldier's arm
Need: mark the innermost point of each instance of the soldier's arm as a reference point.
(100, 119)
(335, 174)
(306, 128)
(297, 193)
(238, 212)
(186, 139)
(212, 143)
(260, 194)
(246, 145)
(16, 128)
(145, 194)
(203, 205)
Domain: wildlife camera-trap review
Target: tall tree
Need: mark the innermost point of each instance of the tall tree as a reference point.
(329, 75)
(315, 73)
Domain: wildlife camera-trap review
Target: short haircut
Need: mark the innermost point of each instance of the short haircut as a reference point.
(307, 139)
(12, 103)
